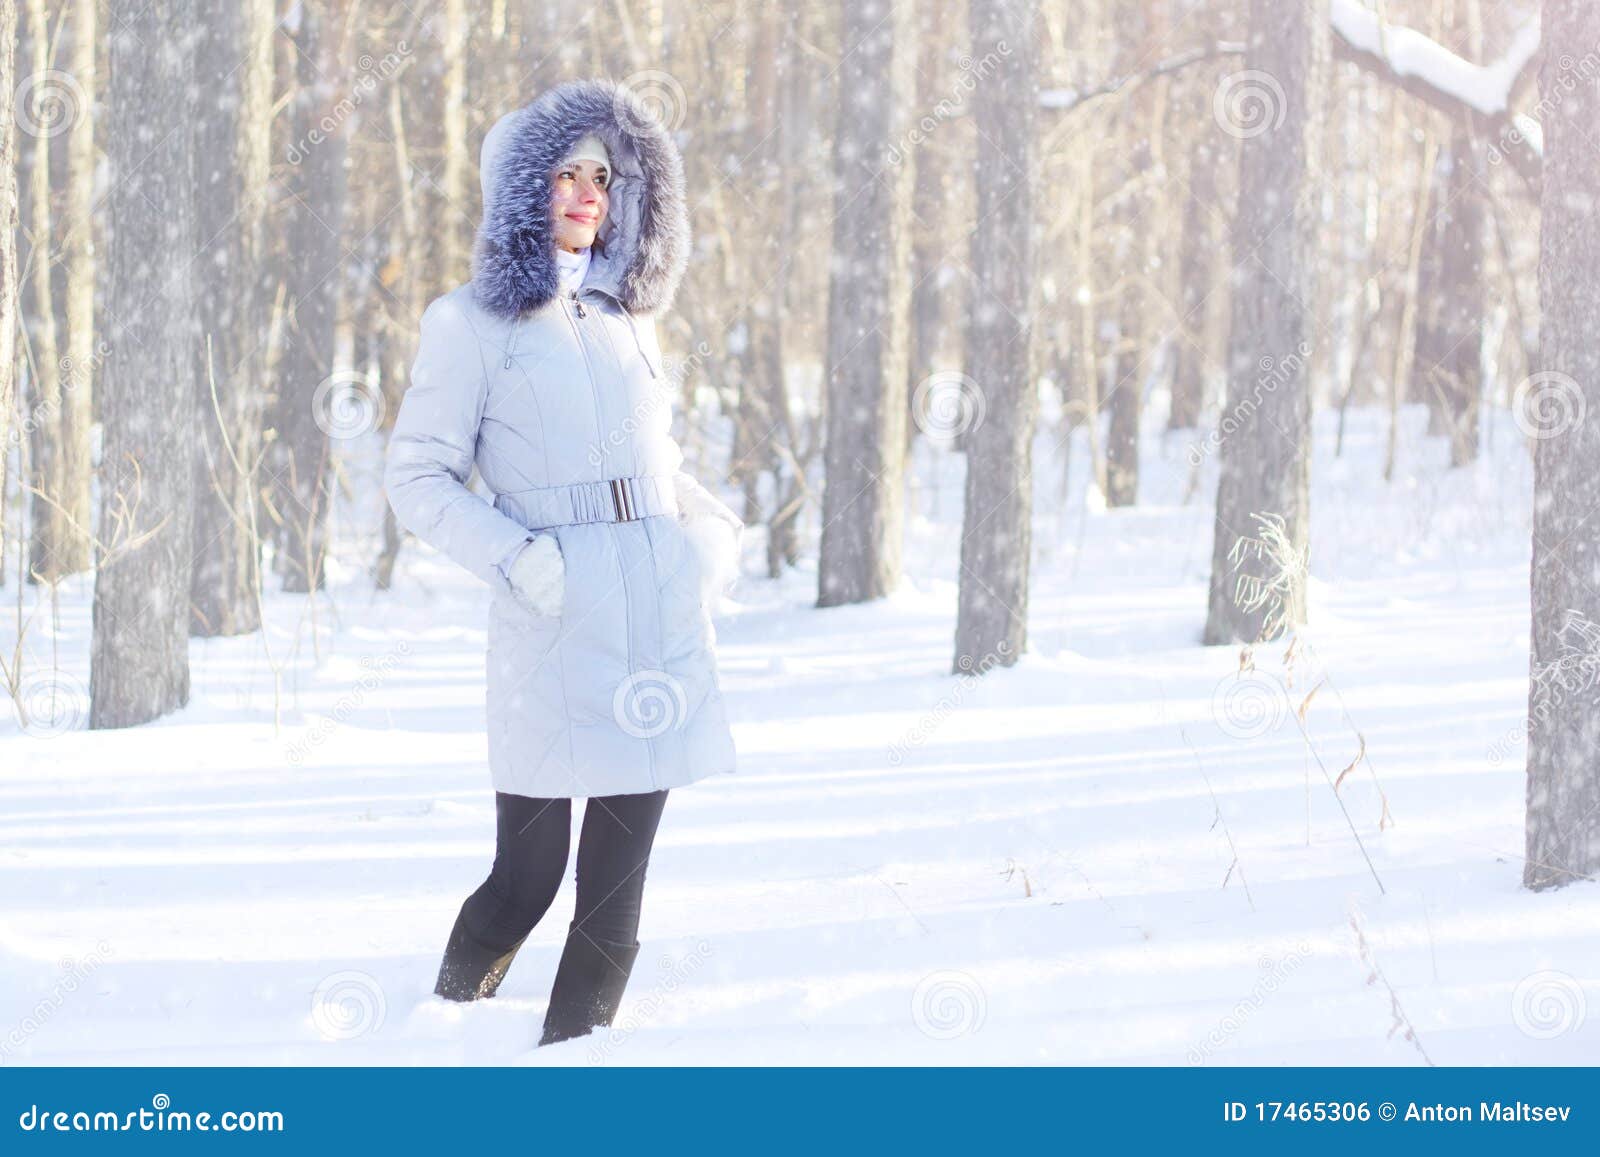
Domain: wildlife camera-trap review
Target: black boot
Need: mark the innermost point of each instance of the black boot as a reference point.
(588, 986)
(470, 971)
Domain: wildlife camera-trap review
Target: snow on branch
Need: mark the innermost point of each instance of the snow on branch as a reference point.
(1412, 57)
(1408, 55)
(1432, 73)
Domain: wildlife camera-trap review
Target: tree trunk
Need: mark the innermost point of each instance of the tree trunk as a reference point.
(1563, 833)
(931, 201)
(863, 498)
(233, 155)
(453, 231)
(8, 243)
(1257, 584)
(1137, 225)
(316, 215)
(140, 655)
(84, 354)
(1450, 335)
(45, 559)
(996, 532)
(1196, 265)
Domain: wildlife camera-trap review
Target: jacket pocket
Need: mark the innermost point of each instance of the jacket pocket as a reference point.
(505, 594)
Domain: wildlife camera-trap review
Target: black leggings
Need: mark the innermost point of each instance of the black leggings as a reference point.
(531, 844)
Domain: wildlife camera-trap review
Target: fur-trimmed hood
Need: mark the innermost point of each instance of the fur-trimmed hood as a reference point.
(644, 240)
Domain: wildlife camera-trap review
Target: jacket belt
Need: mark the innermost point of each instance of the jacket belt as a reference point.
(609, 500)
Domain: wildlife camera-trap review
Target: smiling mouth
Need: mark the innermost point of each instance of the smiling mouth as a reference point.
(580, 217)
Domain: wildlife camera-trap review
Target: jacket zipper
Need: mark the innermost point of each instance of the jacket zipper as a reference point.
(622, 571)
(569, 306)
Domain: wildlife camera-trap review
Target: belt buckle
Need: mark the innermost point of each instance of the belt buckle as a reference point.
(620, 501)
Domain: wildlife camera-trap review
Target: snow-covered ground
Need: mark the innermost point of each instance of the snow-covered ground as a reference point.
(1116, 851)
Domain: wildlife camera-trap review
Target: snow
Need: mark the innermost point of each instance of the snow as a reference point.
(1117, 851)
(1486, 88)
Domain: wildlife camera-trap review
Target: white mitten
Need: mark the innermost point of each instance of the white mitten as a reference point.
(538, 576)
(714, 533)
(717, 545)
(695, 501)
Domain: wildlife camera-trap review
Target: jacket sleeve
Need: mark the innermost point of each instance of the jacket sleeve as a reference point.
(433, 444)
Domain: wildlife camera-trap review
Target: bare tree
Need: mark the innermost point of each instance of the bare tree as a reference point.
(1563, 830)
(79, 367)
(314, 256)
(867, 310)
(233, 155)
(38, 307)
(8, 239)
(996, 538)
(140, 655)
(766, 431)
(932, 202)
(1266, 432)
(1449, 344)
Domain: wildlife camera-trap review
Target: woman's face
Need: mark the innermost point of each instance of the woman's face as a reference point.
(579, 199)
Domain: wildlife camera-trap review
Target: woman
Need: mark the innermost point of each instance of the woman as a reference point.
(544, 372)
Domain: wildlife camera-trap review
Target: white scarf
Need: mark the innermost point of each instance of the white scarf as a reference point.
(571, 269)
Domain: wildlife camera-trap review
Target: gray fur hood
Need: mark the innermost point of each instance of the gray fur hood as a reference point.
(644, 240)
